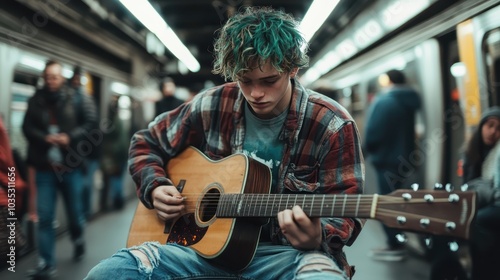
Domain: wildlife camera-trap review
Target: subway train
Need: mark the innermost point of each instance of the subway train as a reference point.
(453, 60)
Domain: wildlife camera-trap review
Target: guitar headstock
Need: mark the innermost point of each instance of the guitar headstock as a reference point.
(428, 211)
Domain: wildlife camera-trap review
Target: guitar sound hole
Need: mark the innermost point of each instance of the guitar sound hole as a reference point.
(208, 205)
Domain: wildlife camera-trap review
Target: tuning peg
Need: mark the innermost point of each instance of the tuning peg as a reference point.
(401, 220)
(438, 186)
(415, 186)
(453, 197)
(428, 242)
(464, 187)
(453, 246)
(401, 238)
(449, 187)
(406, 196)
(429, 198)
(425, 222)
(450, 226)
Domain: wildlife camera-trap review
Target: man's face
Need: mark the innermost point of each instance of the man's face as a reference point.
(266, 90)
(168, 89)
(53, 77)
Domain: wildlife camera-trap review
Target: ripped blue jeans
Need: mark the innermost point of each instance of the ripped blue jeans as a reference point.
(153, 261)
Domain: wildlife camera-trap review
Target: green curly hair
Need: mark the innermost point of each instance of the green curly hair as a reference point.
(255, 36)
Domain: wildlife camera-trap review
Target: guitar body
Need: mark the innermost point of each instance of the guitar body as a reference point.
(204, 181)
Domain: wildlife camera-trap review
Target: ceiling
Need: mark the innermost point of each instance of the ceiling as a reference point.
(107, 28)
(195, 23)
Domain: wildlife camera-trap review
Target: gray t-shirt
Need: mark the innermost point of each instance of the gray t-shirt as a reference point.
(261, 140)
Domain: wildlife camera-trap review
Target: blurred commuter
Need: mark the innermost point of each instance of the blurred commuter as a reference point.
(12, 200)
(91, 161)
(168, 100)
(481, 172)
(57, 146)
(389, 140)
(485, 241)
(114, 158)
(307, 140)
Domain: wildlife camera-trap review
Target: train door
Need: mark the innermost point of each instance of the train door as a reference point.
(477, 72)
(491, 63)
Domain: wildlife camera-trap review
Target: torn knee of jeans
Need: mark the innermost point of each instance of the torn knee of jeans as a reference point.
(317, 262)
(146, 254)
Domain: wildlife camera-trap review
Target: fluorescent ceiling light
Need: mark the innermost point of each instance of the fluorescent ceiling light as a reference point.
(401, 11)
(120, 88)
(32, 62)
(150, 18)
(317, 13)
(67, 73)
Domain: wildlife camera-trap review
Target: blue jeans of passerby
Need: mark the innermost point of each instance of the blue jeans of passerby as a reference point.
(48, 184)
(92, 165)
(176, 262)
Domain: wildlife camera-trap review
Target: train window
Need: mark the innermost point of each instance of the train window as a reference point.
(491, 54)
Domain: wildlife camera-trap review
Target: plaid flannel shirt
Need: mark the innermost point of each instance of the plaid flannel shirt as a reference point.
(322, 150)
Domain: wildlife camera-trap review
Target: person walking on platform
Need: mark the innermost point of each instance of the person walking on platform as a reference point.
(114, 158)
(309, 142)
(91, 161)
(389, 140)
(168, 100)
(57, 145)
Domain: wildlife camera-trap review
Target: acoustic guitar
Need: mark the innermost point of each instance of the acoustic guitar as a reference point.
(228, 201)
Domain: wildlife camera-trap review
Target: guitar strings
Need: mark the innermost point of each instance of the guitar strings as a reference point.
(344, 203)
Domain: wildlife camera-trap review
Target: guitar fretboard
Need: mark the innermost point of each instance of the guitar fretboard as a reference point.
(314, 205)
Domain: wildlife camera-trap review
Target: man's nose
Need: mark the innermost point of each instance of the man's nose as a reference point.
(257, 93)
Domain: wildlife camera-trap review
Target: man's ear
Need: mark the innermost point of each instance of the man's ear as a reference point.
(293, 73)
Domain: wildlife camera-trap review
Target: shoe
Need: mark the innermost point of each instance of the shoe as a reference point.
(387, 254)
(79, 251)
(44, 272)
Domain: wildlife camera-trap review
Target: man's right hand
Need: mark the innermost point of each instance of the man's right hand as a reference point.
(168, 202)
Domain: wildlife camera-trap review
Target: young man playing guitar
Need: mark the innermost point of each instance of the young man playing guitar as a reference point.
(309, 142)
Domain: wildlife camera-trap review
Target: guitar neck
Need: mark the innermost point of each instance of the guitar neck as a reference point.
(314, 205)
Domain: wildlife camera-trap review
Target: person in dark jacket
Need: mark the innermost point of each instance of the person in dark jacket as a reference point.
(389, 140)
(114, 158)
(58, 145)
(168, 101)
(91, 161)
